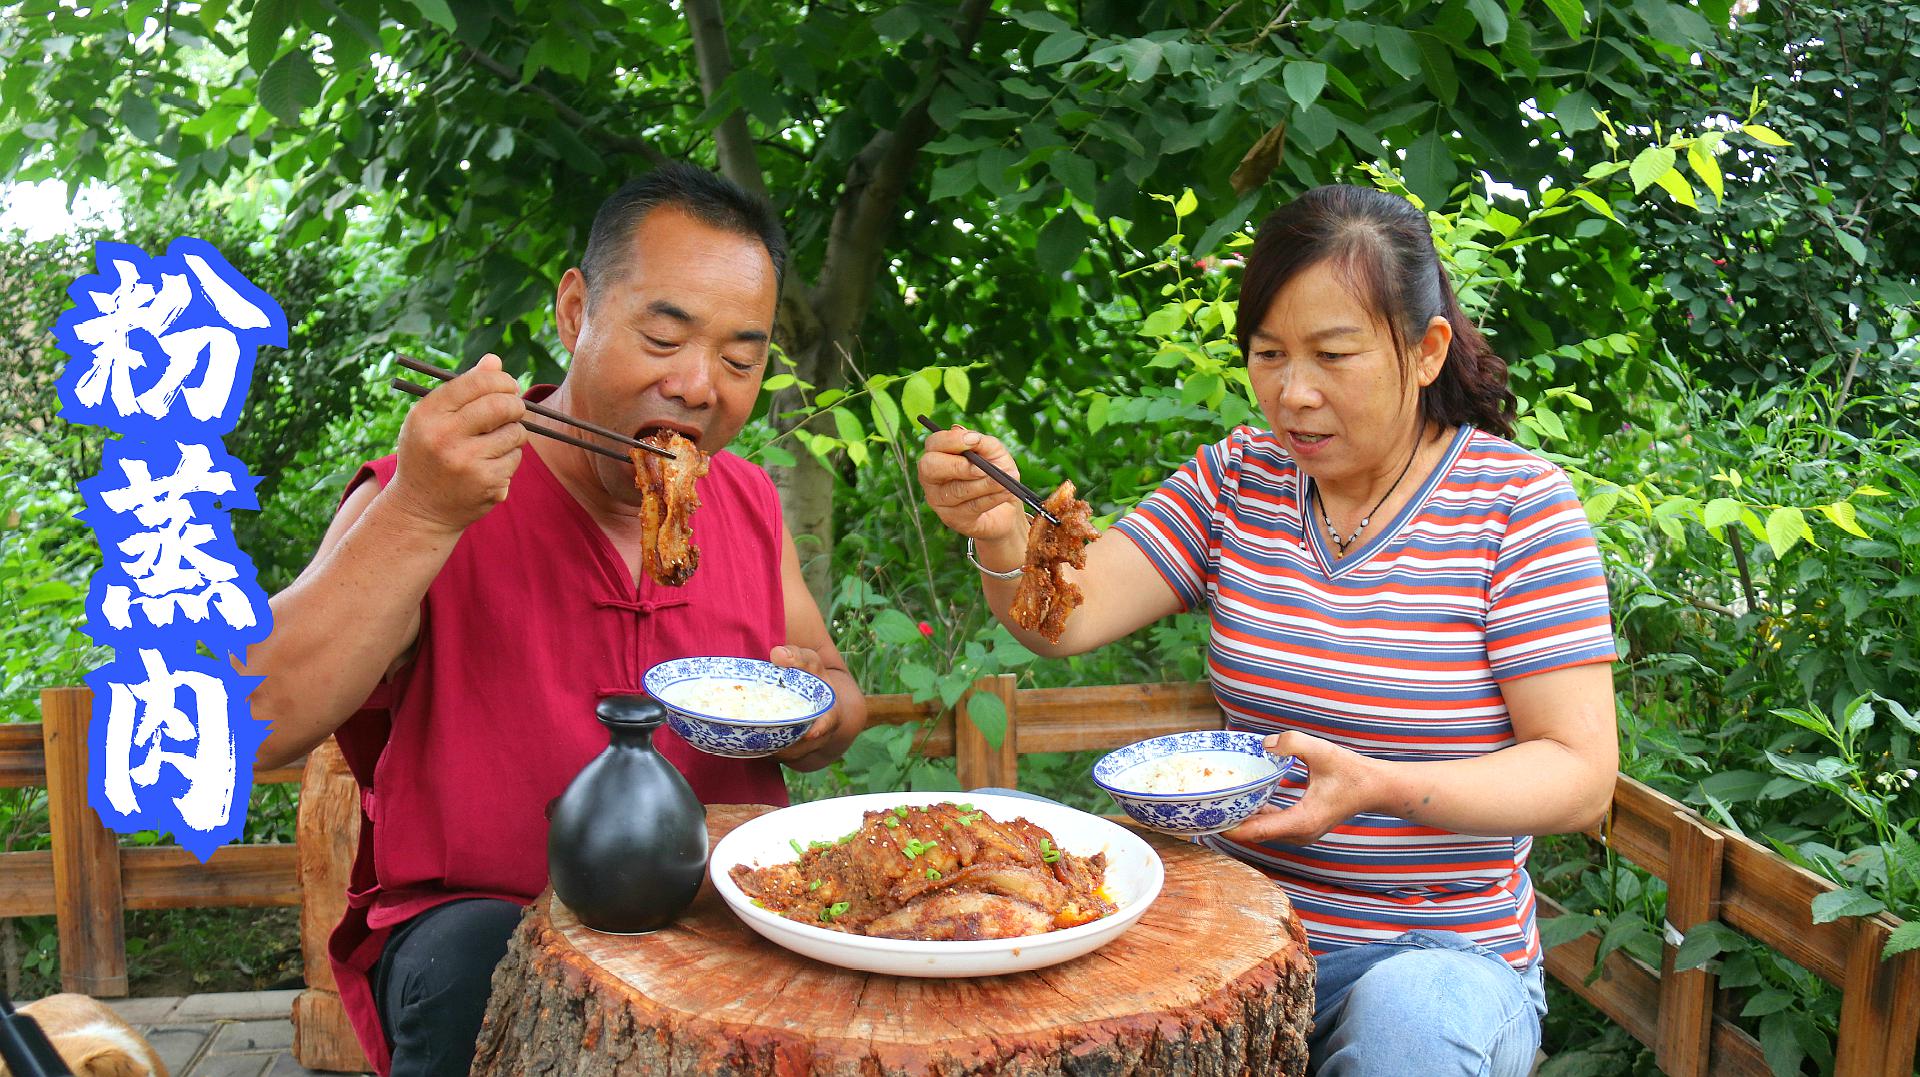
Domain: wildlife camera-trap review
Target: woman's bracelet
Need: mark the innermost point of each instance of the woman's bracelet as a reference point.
(1013, 575)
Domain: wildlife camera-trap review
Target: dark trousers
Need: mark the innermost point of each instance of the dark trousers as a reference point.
(432, 981)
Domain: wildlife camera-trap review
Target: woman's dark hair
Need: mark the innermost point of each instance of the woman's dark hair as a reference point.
(1382, 244)
(710, 199)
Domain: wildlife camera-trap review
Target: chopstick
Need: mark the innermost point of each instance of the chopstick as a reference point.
(406, 386)
(541, 409)
(1014, 486)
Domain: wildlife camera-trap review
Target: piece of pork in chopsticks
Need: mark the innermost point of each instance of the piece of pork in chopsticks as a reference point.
(668, 499)
(1044, 597)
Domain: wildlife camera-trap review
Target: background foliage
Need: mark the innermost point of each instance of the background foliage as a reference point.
(1691, 232)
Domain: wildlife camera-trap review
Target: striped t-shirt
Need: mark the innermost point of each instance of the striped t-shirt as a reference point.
(1397, 651)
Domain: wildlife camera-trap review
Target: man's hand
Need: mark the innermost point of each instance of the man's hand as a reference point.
(821, 737)
(1341, 783)
(459, 447)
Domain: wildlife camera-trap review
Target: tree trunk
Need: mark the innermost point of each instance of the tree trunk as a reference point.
(1214, 979)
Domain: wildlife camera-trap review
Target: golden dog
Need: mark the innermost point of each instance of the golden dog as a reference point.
(93, 1040)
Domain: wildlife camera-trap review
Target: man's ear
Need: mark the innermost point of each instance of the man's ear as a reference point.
(570, 307)
(1430, 355)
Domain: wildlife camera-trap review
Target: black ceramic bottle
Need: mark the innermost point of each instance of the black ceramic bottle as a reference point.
(627, 841)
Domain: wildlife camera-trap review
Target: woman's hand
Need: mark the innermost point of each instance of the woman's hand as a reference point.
(1341, 783)
(965, 499)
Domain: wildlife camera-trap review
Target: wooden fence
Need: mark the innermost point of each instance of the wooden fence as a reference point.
(87, 879)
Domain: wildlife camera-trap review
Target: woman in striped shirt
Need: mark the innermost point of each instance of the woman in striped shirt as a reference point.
(1408, 602)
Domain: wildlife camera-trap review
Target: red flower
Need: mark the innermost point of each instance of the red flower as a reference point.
(926, 629)
(1719, 261)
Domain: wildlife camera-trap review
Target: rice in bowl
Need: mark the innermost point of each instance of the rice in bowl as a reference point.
(1192, 772)
(748, 701)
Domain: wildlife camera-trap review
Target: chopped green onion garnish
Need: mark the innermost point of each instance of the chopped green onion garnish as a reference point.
(932, 873)
(814, 885)
(797, 850)
(833, 910)
(1047, 852)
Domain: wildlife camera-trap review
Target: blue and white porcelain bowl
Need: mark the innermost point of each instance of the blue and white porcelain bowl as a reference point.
(735, 707)
(1132, 774)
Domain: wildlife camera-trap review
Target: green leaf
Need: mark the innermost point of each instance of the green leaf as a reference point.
(1040, 20)
(1649, 165)
(1063, 45)
(1706, 941)
(1720, 512)
(847, 425)
(1599, 204)
(1077, 173)
(886, 413)
(1785, 527)
(1492, 17)
(438, 13)
(1397, 48)
(1905, 937)
(1855, 249)
(1164, 322)
(1186, 204)
(1768, 1000)
(1436, 58)
(897, 24)
(1143, 58)
(265, 27)
(502, 144)
(916, 397)
(289, 85)
(1564, 928)
(1575, 112)
(1571, 13)
(1430, 169)
(1844, 517)
(1304, 80)
(41, 594)
(958, 389)
(1097, 413)
(1760, 132)
(1199, 388)
(140, 118)
(892, 626)
(1677, 187)
(1834, 904)
(1060, 242)
(1700, 156)
(989, 715)
(951, 181)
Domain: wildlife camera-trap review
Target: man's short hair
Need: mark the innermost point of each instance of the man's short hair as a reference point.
(710, 199)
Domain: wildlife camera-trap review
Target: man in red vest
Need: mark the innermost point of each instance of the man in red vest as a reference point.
(479, 592)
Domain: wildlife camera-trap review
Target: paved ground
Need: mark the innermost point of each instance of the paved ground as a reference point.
(240, 1034)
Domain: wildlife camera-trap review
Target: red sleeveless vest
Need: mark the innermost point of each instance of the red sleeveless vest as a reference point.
(532, 621)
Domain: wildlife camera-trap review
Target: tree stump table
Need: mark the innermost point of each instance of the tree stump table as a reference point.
(1214, 979)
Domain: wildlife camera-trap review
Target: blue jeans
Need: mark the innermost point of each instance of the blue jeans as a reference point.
(1426, 1002)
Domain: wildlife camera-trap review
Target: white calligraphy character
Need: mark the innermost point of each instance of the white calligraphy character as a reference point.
(144, 715)
(136, 304)
(169, 565)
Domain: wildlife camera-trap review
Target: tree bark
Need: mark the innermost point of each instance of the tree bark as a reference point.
(1214, 979)
(817, 326)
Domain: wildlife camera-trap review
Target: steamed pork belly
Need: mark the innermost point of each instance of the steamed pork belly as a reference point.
(941, 872)
(1044, 597)
(668, 499)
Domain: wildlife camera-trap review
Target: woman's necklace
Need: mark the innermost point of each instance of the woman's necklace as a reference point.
(1339, 544)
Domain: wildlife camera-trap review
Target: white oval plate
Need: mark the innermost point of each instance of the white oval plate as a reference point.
(1134, 878)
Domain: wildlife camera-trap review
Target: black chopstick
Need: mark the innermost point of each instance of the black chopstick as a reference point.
(432, 371)
(1014, 486)
(406, 386)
